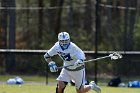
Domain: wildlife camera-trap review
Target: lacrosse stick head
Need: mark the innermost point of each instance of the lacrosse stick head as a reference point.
(115, 56)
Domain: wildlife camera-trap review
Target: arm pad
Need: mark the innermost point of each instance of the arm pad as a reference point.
(47, 56)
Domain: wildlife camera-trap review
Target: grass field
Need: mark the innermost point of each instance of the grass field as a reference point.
(51, 89)
(36, 84)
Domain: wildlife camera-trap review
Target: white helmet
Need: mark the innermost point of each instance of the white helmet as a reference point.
(64, 39)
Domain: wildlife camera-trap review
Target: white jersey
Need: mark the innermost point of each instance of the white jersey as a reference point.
(69, 55)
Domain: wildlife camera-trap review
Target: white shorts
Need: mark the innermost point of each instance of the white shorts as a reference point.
(77, 76)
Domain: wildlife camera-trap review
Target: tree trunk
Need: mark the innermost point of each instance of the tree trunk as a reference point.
(55, 15)
(10, 63)
(40, 23)
(126, 26)
(70, 16)
(3, 23)
(3, 35)
(133, 3)
(88, 17)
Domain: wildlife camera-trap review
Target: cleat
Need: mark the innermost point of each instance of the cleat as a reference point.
(95, 87)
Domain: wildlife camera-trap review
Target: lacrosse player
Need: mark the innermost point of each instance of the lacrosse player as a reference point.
(70, 54)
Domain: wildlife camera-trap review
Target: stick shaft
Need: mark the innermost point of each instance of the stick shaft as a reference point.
(86, 61)
(96, 59)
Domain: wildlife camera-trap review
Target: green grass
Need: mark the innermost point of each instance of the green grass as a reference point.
(51, 89)
(42, 88)
(28, 78)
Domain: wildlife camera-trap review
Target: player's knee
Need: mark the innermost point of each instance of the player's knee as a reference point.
(60, 87)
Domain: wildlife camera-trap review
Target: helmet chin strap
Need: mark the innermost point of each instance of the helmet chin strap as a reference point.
(64, 47)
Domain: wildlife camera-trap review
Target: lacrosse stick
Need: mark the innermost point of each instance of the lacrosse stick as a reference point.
(113, 56)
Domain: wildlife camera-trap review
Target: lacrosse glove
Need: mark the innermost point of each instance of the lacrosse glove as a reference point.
(52, 66)
(78, 63)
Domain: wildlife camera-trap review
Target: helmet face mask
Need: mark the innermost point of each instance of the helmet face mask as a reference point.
(64, 39)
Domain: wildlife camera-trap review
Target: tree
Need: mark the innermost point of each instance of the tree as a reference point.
(40, 23)
(3, 34)
(55, 15)
(10, 63)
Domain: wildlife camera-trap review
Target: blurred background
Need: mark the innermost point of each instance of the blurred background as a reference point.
(28, 28)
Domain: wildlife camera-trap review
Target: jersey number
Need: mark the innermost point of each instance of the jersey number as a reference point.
(66, 57)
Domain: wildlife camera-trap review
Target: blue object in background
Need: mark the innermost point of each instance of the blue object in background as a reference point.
(16, 80)
(134, 84)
